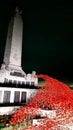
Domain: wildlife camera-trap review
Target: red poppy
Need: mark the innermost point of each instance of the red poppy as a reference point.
(53, 95)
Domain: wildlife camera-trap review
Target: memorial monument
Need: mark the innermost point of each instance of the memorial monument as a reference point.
(16, 87)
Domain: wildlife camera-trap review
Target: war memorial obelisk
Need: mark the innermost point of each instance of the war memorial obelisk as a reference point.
(16, 87)
(11, 70)
(13, 50)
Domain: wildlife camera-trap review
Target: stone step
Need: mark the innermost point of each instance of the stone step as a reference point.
(46, 113)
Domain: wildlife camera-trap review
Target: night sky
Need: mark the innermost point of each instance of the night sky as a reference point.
(47, 35)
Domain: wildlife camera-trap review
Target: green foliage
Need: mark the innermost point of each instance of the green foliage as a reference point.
(1, 125)
(4, 120)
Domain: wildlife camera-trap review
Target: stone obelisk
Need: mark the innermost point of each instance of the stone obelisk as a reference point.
(16, 87)
(13, 49)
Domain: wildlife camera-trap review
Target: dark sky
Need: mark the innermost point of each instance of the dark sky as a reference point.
(47, 38)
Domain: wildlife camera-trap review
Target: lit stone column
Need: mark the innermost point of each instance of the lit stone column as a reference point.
(13, 50)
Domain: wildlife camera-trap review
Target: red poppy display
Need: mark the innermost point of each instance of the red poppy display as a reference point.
(53, 95)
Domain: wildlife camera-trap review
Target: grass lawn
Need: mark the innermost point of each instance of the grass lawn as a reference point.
(6, 128)
(70, 84)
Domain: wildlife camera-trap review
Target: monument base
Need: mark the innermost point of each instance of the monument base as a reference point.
(8, 110)
(12, 98)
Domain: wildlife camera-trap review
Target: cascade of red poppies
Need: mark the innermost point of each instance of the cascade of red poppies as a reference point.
(53, 95)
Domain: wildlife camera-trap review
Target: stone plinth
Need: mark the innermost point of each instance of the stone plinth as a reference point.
(8, 110)
(12, 98)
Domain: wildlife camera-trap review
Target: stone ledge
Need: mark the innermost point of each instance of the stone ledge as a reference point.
(8, 110)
